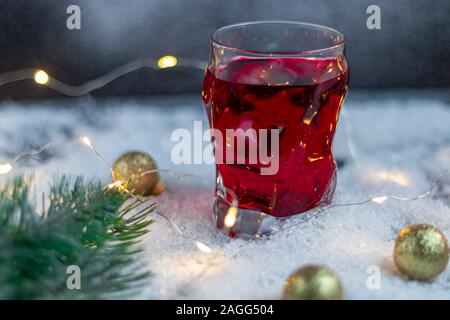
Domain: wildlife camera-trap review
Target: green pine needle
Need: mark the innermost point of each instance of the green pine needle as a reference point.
(85, 225)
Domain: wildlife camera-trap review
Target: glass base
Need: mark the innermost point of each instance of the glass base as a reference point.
(245, 224)
(252, 224)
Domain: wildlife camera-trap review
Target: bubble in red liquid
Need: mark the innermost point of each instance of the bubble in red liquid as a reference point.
(301, 97)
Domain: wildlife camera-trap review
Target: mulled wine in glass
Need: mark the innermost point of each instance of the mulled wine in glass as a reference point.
(277, 86)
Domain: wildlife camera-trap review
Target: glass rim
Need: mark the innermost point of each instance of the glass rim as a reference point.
(341, 43)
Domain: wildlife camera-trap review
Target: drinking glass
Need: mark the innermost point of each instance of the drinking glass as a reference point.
(272, 93)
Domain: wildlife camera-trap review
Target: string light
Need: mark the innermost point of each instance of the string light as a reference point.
(121, 186)
(86, 141)
(116, 185)
(231, 217)
(41, 77)
(379, 199)
(232, 213)
(167, 62)
(202, 247)
(5, 168)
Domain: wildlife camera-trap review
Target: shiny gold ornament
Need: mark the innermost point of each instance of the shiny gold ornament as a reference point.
(130, 168)
(312, 283)
(421, 252)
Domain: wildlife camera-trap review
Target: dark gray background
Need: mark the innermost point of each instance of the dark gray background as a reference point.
(411, 49)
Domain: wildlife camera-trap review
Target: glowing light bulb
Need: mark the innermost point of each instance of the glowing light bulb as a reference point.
(379, 199)
(86, 141)
(116, 185)
(5, 168)
(167, 62)
(231, 217)
(41, 77)
(203, 247)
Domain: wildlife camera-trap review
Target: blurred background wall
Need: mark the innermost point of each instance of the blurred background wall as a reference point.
(411, 49)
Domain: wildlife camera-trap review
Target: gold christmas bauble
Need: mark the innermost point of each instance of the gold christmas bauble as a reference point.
(421, 252)
(130, 167)
(312, 283)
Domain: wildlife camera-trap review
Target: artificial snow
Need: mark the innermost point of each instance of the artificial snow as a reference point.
(400, 145)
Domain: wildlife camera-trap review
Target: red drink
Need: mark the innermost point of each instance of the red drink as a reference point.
(299, 96)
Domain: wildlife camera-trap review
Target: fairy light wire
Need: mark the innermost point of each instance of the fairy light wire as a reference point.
(232, 211)
(17, 75)
(9, 165)
(86, 141)
(41, 149)
(428, 192)
(41, 77)
(378, 200)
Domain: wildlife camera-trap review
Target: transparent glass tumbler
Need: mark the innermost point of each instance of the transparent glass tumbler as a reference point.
(272, 93)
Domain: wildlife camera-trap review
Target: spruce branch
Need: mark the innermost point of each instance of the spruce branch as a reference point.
(85, 225)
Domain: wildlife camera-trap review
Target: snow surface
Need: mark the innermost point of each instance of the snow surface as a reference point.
(401, 145)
